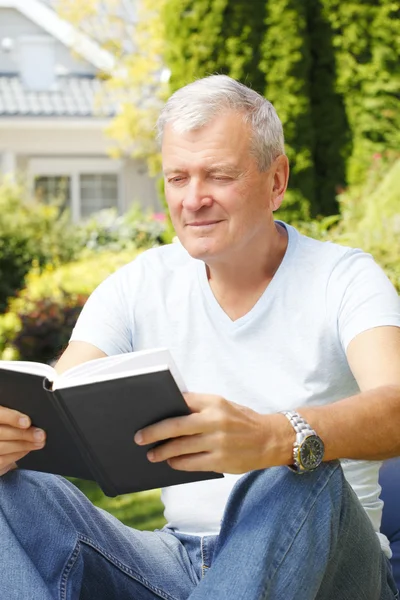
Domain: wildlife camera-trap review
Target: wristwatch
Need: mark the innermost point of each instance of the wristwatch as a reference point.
(308, 449)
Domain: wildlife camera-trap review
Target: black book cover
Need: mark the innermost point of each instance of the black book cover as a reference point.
(90, 428)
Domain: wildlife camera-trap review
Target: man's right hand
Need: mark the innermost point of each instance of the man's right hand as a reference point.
(17, 438)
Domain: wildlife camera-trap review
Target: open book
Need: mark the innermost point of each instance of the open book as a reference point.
(91, 413)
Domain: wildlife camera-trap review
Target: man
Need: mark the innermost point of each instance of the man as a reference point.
(259, 320)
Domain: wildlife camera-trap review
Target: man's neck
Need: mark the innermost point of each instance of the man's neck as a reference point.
(239, 283)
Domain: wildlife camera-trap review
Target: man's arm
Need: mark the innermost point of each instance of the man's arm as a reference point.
(365, 426)
(77, 353)
(224, 437)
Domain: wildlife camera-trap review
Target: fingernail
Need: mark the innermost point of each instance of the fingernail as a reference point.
(138, 437)
(38, 435)
(24, 422)
(150, 455)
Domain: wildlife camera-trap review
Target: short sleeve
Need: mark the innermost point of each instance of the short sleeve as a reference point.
(361, 296)
(107, 318)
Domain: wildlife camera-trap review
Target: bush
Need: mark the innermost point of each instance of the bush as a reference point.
(134, 229)
(370, 216)
(45, 327)
(29, 232)
(36, 234)
(40, 318)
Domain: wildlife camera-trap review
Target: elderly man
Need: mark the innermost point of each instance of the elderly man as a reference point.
(291, 351)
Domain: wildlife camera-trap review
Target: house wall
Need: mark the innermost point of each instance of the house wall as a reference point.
(76, 146)
(13, 25)
(32, 147)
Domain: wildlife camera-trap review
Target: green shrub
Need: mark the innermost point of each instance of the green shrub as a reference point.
(369, 216)
(32, 233)
(29, 232)
(40, 318)
(134, 229)
(45, 327)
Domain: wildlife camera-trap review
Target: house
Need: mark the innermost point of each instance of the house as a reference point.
(51, 123)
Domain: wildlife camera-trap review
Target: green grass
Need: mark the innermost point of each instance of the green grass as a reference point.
(142, 510)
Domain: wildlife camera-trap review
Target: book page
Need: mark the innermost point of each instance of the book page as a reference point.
(112, 367)
(24, 366)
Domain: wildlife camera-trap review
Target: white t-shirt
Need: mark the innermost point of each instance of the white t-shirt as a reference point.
(288, 351)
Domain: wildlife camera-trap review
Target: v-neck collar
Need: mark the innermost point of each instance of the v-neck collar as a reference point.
(218, 312)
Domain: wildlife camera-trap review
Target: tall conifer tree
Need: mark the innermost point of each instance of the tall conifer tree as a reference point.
(328, 114)
(214, 36)
(286, 64)
(367, 41)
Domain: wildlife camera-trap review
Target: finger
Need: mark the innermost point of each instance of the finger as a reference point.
(193, 462)
(169, 428)
(8, 416)
(7, 448)
(192, 444)
(33, 434)
(197, 402)
(9, 464)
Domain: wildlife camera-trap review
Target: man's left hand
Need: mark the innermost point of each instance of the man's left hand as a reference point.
(218, 436)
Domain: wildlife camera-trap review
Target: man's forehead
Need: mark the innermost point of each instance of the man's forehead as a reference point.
(208, 166)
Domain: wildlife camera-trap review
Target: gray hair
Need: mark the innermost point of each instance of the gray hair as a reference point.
(196, 105)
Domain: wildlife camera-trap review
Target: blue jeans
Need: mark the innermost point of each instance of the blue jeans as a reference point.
(283, 537)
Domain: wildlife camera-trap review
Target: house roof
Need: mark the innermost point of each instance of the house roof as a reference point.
(74, 96)
(46, 18)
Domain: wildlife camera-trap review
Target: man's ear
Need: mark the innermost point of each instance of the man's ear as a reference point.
(280, 181)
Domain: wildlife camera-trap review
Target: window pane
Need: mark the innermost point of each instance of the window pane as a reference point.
(53, 189)
(98, 191)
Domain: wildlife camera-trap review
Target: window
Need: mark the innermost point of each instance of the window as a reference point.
(84, 186)
(98, 192)
(53, 189)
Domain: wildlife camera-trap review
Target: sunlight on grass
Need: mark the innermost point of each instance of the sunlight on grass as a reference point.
(142, 510)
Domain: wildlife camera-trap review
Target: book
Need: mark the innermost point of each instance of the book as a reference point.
(91, 412)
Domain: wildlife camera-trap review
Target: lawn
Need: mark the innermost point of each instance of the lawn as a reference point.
(142, 510)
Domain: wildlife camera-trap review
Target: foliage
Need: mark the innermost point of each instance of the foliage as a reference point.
(45, 327)
(142, 510)
(286, 67)
(331, 134)
(367, 47)
(369, 216)
(29, 232)
(134, 35)
(331, 68)
(35, 234)
(40, 319)
(208, 36)
(130, 231)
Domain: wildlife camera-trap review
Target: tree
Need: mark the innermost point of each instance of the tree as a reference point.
(286, 64)
(367, 43)
(204, 37)
(134, 35)
(332, 138)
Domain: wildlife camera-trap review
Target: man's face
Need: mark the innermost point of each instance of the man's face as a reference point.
(218, 200)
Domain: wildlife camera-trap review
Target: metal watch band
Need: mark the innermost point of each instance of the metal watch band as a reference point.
(299, 424)
(303, 431)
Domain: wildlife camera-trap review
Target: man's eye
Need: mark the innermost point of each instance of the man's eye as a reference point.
(178, 179)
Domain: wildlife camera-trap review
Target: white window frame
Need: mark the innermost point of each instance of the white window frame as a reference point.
(73, 168)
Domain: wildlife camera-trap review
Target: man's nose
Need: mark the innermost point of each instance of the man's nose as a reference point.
(196, 196)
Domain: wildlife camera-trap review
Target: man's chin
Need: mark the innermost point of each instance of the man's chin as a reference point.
(199, 249)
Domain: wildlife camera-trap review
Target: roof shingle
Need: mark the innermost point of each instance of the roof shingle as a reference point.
(73, 96)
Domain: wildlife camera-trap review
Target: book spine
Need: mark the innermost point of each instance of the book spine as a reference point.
(97, 472)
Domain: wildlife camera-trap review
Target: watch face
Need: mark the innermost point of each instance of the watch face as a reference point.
(311, 452)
